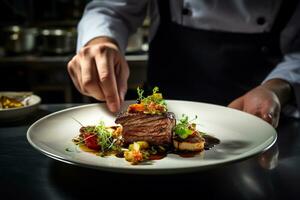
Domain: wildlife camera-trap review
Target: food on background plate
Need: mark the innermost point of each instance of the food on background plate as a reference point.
(9, 102)
(145, 131)
(14, 101)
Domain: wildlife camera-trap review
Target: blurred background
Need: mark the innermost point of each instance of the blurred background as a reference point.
(38, 38)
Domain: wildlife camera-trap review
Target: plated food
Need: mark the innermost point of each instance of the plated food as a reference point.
(145, 131)
(52, 134)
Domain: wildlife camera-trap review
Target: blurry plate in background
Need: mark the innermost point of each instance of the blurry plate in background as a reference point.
(30, 101)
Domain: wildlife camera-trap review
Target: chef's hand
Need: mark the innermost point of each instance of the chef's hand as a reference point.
(265, 101)
(100, 70)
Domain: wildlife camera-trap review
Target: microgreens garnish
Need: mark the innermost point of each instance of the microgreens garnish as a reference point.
(140, 93)
(184, 128)
(105, 138)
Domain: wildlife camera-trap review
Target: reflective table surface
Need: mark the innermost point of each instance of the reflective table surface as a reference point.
(26, 173)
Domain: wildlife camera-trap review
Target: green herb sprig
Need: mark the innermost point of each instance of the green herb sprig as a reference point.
(105, 137)
(182, 129)
(140, 93)
(155, 97)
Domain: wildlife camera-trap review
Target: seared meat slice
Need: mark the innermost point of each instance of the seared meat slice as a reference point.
(154, 129)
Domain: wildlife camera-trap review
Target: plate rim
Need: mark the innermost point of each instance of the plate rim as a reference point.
(132, 170)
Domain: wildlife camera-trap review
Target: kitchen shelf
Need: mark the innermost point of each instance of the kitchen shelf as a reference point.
(56, 60)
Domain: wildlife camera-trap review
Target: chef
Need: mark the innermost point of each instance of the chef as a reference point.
(244, 54)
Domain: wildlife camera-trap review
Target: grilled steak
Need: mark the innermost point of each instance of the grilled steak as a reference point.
(155, 129)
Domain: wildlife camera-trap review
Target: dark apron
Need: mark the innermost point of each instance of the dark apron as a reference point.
(208, 66)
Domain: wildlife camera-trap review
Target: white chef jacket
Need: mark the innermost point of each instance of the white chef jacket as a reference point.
(118, 19)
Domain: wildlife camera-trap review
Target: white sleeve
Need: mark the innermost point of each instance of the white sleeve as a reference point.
(116, 19)
(289, 70)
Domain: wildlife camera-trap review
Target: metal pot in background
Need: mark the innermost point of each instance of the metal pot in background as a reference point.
(19, 40)
(57, 40)
(135, 42)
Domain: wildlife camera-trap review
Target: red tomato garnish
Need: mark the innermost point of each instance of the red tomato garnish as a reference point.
(90, 141)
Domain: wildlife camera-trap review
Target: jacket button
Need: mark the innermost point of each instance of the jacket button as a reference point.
(186, 11)
(261, 20)
(265, 50)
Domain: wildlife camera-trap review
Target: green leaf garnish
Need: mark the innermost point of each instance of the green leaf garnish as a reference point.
(155, 98)
(155, 90)
(182, 129)
(140, 93)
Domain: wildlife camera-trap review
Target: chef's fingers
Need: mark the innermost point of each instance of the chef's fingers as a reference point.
(122, 78)
(106, 72)
(276, 117)
(261, 111)
(267, 112)
(89, 76)
(237, 104)
(271, 115)
(75, 73)
(240, 104)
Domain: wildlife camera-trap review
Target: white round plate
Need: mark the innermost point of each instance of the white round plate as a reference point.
(242, 136)
(14, 114)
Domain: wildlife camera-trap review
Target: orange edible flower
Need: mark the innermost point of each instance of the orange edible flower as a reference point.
(136, 108)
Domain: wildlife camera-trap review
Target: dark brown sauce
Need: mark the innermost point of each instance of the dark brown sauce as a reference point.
(210, 141)
(187, 154)
(120, 154)
(157, 156)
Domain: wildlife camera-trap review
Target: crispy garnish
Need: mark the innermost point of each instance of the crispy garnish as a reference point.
(152, 104)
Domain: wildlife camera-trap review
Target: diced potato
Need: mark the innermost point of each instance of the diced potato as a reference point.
(136, 152)
(133, 156)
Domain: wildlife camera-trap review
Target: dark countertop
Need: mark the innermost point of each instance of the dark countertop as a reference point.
(26, 173)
